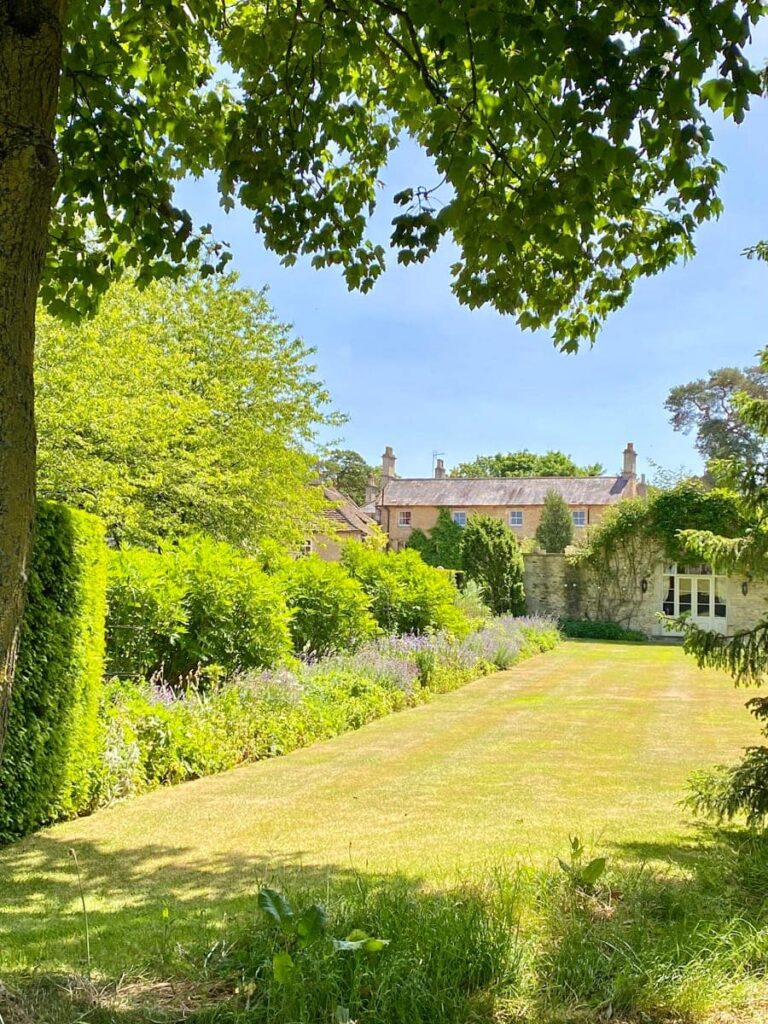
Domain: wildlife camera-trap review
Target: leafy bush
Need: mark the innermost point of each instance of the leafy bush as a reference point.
(53, 731)
(555, 530)
(492, 558)
(407, 596)
(588, 629)
(200, 603)
(329, 608)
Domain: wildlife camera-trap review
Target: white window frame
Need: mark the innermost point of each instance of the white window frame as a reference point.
(461, 513)
(518, 520)
(404, 517)
(579, 517)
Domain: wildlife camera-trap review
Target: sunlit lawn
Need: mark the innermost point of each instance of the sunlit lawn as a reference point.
(594, 739)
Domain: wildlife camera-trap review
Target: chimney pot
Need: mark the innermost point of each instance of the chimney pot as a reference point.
(439, 470)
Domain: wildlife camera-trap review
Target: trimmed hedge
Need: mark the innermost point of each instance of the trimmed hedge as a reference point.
(588, 629)
(53, 740)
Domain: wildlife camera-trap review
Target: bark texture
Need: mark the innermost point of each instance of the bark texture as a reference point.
(30, 64)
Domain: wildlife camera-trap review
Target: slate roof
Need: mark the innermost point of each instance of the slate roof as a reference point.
(457, 492)
(345, 513)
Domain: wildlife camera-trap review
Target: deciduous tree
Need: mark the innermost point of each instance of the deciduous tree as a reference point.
(183, 408)
(525, 463)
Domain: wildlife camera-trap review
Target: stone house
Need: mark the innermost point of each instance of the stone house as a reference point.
(346, 521)
(403, 505)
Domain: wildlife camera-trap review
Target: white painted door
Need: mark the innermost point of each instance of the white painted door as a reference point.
(698, 594)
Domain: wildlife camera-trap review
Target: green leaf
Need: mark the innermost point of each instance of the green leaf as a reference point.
(275, 905)
(311, 925)
(593, 871)
(283, 967)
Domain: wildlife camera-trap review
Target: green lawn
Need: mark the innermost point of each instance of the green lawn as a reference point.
(594, 739)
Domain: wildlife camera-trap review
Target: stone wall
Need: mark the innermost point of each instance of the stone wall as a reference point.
(553, 587)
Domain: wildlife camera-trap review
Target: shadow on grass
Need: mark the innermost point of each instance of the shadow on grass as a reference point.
(650, 943)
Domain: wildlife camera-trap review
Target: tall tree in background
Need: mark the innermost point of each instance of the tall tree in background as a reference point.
(711, 407)
(525, 463)
(347, 471)
(555, 530)
(186, 407)
(570, 140)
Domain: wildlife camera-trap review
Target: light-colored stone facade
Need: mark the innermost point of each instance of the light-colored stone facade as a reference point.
(553, 586)
(424, 518)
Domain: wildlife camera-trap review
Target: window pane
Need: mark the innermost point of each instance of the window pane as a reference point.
(516, 518)
(460, 518)
(685, 586)
(702, 597)
(720, 608)
(668, 604)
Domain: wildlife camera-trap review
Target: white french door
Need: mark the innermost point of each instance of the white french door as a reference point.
(695, 592)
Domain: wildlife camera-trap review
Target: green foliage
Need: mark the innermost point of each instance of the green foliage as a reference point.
(329, 609)
(53, 739)
(348, 472)
(582, 876)
(491, 557)
(146, 411)
(709, 407)
(589, 629)
(201, 603)
(555, 530)
(525, 463)
(663, 520)
(558, 192)
(407, 595)
(442, 548)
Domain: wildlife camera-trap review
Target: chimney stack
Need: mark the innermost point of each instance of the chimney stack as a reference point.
(439, 470)
(388, 461)
(629, 469)
(630, 462)
(371, 489)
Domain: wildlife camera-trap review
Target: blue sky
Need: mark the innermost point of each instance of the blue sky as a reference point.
(415, 370)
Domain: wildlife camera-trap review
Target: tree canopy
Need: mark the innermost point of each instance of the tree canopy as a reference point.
(184, 408)
(347, 471)
(570, 145)
(525, 463)
(710, 407)
(492, 557)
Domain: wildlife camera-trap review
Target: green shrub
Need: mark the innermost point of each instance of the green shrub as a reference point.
(53, 730)
(329, 608)
(407, 596)
(492, 558)
(200, 603)
(587, 629)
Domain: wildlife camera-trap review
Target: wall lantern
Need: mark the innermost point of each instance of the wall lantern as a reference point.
(644, 585)
(745, 588)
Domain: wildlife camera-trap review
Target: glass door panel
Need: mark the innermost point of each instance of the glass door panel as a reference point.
(685, 591)
(703, 598)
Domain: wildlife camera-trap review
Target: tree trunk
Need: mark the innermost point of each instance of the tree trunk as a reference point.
(30, 64)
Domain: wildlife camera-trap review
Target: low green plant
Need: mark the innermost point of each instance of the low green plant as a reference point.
(580, 875)
(596, 629)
